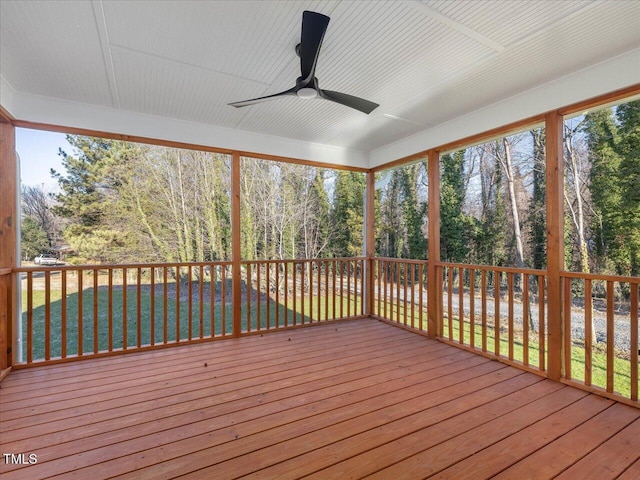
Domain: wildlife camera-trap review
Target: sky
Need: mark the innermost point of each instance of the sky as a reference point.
(38, 152)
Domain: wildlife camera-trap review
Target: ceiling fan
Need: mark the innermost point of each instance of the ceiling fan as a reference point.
(314, 26)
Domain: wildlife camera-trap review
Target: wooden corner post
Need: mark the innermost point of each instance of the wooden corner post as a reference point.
(555, 242)
(236, 254)
(434, 297)
(8, 239)
(369, 241)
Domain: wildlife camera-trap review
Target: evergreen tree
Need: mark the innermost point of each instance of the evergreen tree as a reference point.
(455, 226)
(33, 238)
(90, 181)
(390, 227)
(347, 217)
(415, 245)
(537, 208)
(606, 191)
(628, 147)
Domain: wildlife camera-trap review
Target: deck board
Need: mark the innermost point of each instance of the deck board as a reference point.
(341, 400)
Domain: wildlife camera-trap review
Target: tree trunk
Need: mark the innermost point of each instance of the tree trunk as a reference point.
(508, 165)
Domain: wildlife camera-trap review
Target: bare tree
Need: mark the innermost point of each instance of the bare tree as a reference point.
(36, 204)
(575, 192)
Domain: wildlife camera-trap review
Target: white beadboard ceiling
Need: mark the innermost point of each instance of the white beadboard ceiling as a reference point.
(127, 64)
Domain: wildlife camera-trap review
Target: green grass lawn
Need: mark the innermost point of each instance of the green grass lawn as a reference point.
(126, 319)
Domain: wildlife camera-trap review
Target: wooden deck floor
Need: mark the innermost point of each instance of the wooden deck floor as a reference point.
(348, 400)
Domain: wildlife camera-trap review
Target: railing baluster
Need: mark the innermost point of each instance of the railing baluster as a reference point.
(201, 300)
(189, 303)
(47, 315)
(124, 309)
(63, 313)
(348, 262)
(212, 299)
(286, 294)
(496, 310)
(277, 280)
(319, 267)
(461, 305)
(309, 264)
(610, 333)
(295, 293)
(267, 274)
(413, 294)
(510, 320)
(165, 305)
(450, 301)
(80, 312)
(341, 263)
(362, 286)
(110, 309)
(483, 307)
(178, 286)
(29, 317)
(567, 327)
(634, 339)
(377, 287)
(404, 294)
(95, 311)
(398, 277)
(588, 333)
(259, 297)
(472, 308)
(541, 324)
(152, 307)
(525, 319)
(326, 290)
(420, 300)
(333, 288)
(139, 308)
(385, 267)
(223, 295)
(302, 290)
(248, 288)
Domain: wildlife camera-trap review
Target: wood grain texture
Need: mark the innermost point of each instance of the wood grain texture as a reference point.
(555, 242)
(8, 238)
(434, 284)
(337, 400)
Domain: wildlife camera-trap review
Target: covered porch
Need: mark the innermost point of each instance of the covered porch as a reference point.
(346, 367)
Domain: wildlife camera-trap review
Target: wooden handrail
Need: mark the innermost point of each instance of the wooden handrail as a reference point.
(492, 268)
(116, 266)
(596, 276)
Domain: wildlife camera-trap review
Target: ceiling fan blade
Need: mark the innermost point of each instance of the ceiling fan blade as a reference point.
(253, 101)
(361, 104)
(314, 25)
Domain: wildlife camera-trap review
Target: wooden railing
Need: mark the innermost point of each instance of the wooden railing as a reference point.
(73, 311)
(6, 324)
(81, 311)
(497, 311)
(286, 293)
(601, 333)
(400, 292)
(84, 311)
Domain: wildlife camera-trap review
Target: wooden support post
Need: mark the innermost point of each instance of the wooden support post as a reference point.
(236, 257)
(434, 284)
(555, 242)
(8, 240)
(369, 241)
